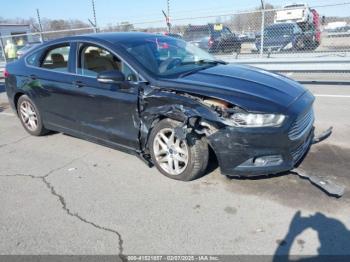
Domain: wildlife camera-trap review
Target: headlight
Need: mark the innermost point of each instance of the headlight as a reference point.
(256, 120)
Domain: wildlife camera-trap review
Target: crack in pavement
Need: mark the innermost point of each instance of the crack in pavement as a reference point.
(84, 220)
(15, 142)
(67, 210)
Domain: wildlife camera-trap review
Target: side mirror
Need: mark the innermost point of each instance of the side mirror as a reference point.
(111, 77)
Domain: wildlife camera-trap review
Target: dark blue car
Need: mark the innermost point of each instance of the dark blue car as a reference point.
(164, 100)
(284, 37)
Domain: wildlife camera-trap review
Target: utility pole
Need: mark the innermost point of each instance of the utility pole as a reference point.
(94, 15)
(167, 16)
(40, 25)
(262, 28)
(168, 7)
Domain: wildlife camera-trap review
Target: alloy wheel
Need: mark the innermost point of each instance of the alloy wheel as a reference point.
(28, 115)
(170, 152)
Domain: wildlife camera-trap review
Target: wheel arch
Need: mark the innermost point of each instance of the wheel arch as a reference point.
(16, 98)
(183, 108)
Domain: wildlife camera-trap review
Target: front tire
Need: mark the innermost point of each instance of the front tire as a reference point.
(178, 159)
(30, 116)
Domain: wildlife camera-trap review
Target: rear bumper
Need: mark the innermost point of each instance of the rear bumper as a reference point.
(241, 152)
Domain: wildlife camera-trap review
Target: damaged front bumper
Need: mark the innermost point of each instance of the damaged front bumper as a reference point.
(256, 152)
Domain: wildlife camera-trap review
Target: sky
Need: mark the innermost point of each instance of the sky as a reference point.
(140, 11)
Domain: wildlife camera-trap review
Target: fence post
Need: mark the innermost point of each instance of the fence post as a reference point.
(262, 28)
(94, 14)
(40, 26)
(2, 48)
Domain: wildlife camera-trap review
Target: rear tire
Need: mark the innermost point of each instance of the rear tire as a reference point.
(178, 159)
(30, 116)
(300, 45)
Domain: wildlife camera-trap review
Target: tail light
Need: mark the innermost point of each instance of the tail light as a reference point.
(6, 73)
(210, 42)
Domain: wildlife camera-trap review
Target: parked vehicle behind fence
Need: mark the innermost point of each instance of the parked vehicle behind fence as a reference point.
(306, 18)
(213, 38)
(285, 37)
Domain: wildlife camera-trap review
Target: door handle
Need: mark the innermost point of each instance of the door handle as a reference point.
(33, 77)
(78, 84)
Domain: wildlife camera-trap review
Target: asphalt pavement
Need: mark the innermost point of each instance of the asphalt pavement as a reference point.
(63, 195)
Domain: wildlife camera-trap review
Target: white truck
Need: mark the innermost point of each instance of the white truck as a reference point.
(298, 13)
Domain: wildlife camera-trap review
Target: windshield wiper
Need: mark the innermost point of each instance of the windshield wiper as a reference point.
(208, 63)
(205, 61)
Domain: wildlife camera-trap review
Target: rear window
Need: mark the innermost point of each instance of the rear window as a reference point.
(34, 59)
(196, 34)
(56, 58)
(279, 29)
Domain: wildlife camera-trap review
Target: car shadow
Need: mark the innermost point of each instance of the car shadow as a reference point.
(213, 163)
(333, 235)
(3, 107)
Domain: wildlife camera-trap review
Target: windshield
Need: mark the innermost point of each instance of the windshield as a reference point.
(166, 56)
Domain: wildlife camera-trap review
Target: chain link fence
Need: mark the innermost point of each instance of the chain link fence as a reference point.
(294, 31)
(294, 34)
(14, 46)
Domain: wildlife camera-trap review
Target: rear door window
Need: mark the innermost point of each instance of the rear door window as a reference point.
(56, 58)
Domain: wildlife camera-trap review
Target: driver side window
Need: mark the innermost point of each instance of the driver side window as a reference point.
(93, 60)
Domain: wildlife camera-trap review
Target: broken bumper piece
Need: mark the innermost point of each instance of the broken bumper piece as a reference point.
(325, 184)
(324, 135)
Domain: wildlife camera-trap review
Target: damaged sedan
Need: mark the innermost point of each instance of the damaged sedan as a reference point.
(164, 100)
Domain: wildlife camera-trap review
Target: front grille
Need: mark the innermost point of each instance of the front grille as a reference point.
(302, 125)
(299, 152)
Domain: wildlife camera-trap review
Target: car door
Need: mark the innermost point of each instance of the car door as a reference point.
(105, 111)
(49, 84)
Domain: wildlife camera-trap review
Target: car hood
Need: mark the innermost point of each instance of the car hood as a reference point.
(250, 88)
